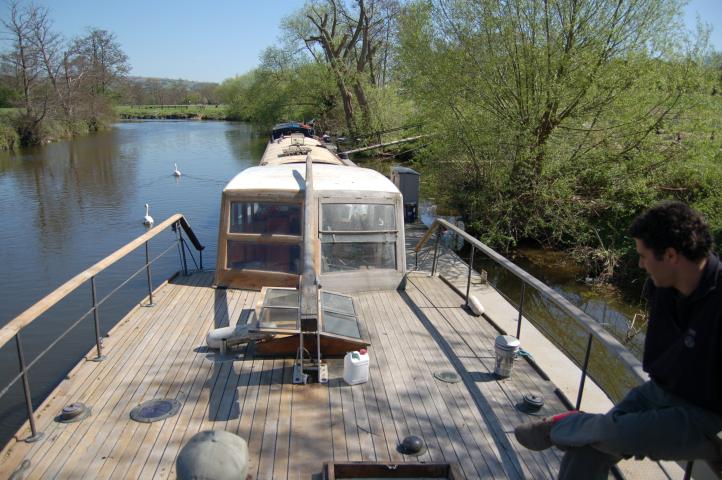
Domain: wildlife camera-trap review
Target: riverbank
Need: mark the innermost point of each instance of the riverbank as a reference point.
(172, 112)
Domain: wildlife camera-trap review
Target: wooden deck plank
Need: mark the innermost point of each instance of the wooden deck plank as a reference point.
(283, 433)
(109, 399)
(447, 433)
(133, 436)
(155, 436)
(383, 372)
(493, 396)
(270, 430)
(350, 427)
(116, 346)
(338, 432)
(310, 431)
(255, 438)
(388, 433)
(454, 402)
(189, 419)
(394, 361)
(292, 429)
(524, 380)
(400, 364)
(100, 440)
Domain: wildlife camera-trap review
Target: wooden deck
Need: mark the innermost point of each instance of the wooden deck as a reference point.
(159, 352)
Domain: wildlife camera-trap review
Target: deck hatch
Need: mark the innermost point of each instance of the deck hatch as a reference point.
(280, 310)
(155, 410)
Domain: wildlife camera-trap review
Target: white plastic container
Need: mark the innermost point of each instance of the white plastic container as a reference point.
(356, 367)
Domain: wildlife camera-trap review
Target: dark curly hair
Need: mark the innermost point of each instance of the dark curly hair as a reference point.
(675, 225)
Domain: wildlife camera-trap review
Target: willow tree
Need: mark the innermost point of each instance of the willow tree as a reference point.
(352, 40)
(522, 88)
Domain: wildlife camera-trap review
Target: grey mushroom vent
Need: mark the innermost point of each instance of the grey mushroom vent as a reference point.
(73, 412)
(216, 455)
(447, 376)
(531, 403)
(155, 410)
(412, 445)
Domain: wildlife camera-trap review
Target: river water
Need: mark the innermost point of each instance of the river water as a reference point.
(66, 205)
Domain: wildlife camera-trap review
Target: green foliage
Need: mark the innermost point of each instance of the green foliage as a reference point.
(562, 138)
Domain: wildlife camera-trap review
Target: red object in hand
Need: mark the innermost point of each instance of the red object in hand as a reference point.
(363, 351)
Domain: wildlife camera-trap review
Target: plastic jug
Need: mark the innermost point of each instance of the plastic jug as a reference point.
(356, 367)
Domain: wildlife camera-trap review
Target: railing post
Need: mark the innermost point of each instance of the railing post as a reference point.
(35, 435)
(181, 250)
(521, 309)
(96, 321)
(200, 254)
(584, 372)
(468, 277)
(148, 276)
(436, 250)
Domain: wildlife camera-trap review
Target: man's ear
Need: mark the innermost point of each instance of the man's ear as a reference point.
(671, 254)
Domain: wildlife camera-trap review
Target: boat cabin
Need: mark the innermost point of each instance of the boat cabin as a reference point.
(357, 233)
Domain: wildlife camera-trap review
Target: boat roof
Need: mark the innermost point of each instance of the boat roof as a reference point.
(328, 178)
(294, 148)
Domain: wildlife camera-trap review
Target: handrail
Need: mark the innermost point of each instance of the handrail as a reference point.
(629, 361)
(15, 326)
(12, 328)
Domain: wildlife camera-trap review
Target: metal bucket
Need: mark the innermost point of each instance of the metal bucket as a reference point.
(506, 348)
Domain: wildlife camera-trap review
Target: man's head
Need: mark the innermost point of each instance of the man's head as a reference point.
(667, 235)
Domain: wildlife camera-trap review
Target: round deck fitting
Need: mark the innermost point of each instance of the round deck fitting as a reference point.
(73, 412)
(155, 410)
(412, 445)
(534, 401)
(531, 403)
(447, 376)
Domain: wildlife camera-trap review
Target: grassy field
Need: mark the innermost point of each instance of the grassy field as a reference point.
(198, 112)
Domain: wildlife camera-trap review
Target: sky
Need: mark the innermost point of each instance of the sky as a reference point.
(217, 39)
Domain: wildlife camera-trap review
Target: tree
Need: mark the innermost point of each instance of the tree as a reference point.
(524, 91)
(99, 60)
(24, 62)
(347, 38)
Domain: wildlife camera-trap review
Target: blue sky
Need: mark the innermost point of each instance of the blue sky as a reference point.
(216, 39)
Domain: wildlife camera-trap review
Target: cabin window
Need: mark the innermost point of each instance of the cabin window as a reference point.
(265, 218)
(358, 217)
(357, 236)
(273, 257)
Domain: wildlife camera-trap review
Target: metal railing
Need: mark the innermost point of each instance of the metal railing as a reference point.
(14, 328)
(595, 332)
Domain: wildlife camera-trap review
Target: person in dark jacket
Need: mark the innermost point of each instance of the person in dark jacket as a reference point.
(677, 413)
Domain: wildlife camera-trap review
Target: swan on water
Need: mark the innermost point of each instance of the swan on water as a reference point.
(176, 172)
(147, 220)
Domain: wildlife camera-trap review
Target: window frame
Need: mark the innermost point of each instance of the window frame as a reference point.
(374, 236)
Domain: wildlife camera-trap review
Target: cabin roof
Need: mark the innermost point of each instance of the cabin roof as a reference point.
(292, 177)
(283, 150)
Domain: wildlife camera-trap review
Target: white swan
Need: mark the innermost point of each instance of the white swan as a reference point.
(147, 220)
(176, 172)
